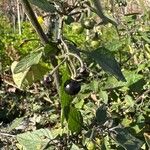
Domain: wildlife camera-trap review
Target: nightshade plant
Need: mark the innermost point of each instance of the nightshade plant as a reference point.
(66, 52)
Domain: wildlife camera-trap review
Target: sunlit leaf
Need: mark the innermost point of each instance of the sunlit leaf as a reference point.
(29, 76)
(36, 140)
(19, 77)
(75, 120)
(28, 61)
(107, 61)
(15, 123)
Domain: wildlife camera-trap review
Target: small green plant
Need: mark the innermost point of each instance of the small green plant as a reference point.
(79, 82)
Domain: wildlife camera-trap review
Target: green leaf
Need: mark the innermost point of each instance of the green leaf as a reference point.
(95, 85)
(19, 77)
(104, 96)
(74, 147)
(65, 98)
(105, 143)
(29, 76)
(36, 140)
(107, 61)
(145, 37)
(101, 114)
(129, 102)
(125, 139)
(147, 139)
(79, 103)
(28, 61)
(114, 45)
(17, 122)
(75, 120)
(126, 122)
(36, 73)
(132, 78)
(44, 5)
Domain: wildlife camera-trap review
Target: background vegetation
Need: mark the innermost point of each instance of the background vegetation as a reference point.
(104, 46)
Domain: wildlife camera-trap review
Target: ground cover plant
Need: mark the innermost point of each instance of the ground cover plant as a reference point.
(75, 74)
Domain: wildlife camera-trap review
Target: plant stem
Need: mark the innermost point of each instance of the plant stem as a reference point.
(100, 13)
(142, 96)
(18, 14)
(34, 21)
(6, 134)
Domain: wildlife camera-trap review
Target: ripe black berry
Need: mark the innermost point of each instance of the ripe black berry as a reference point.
(47, 81)
(72, 87)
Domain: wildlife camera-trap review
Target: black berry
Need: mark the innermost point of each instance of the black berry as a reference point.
(72, 87)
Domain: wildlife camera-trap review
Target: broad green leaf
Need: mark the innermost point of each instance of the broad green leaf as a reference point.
(125, 139)
(36, 73)
(36, 140)
(15, 123)
(65, 98)
(29, 76)
(19, 77)
(101, 114)
(131, 76)
(44, 5)
(75, 120)
(147, 139)
(28, 61)
(107, 61)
